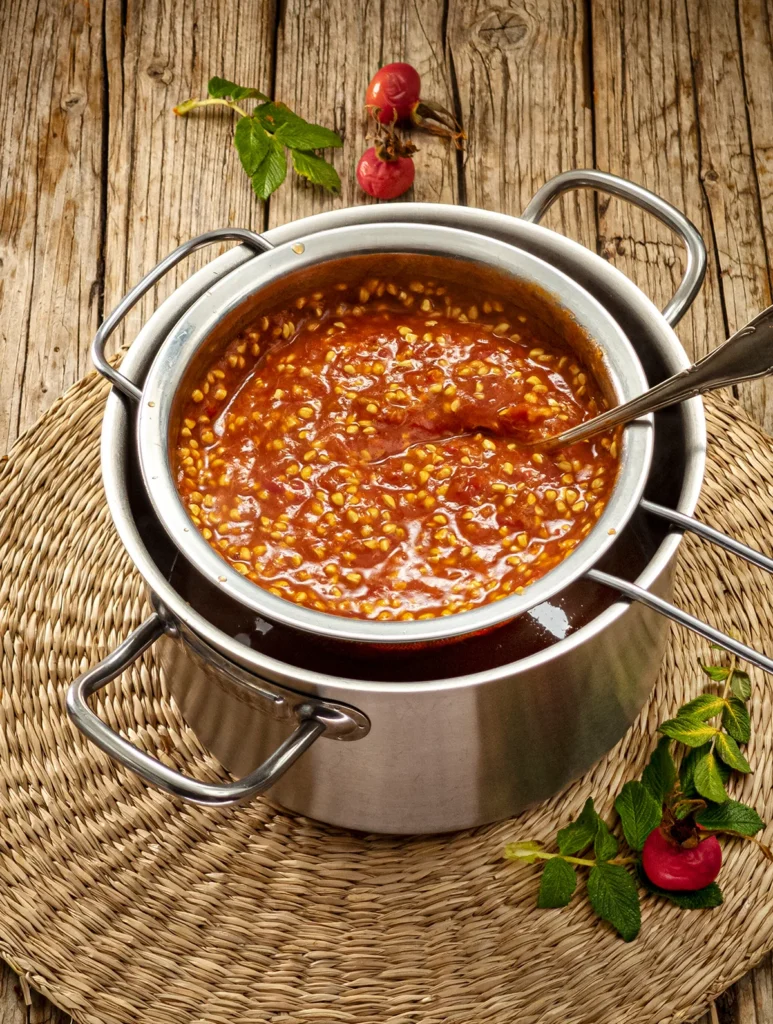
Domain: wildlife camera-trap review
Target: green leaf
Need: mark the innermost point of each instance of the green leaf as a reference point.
(716, 672)
(688, 730)
(698, 899)
(271, 171)
(639, 813)
(525, 851)
(605, 845)
(299, 134)
(708, 778)
(273, 115)
(578, 836)
(705, 706)
(687, 771)
(659, 776)
(558, 883)
(731, 816)
(728, 750)
(741, 685)
(736, 720)
(316, 169)
(221, 88)
(612, 894)
(252, 142)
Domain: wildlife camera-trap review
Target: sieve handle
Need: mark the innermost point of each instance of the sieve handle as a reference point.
(658, 604)
(308, 730)
(695, 270)
(250, 238)
(692, 525)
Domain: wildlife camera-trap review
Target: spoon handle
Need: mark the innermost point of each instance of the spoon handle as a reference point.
(745, 355)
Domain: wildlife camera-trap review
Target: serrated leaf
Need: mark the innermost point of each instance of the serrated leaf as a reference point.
(271, 171)
(221, 88)
(578, 836)
(716, 672)
(524, 852)
(728, 750)
(252, 142)
(316, 169)
(703, 707)
(659, 777)
(731, 816)
(557, 885)
(687, 771)
(300, 134)
(699, 899)
(688, 730)
(613, 895)
(736, 720)
(605, 844)
(639, 813)
(707, 778)
(741, 685)
(273, 115)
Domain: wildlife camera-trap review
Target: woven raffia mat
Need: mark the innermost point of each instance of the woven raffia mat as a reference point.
(122, 905)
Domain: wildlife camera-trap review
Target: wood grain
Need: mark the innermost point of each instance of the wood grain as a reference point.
(51, 188)
(318, 76)
(170, 178)
(525, 102)
(99, 180)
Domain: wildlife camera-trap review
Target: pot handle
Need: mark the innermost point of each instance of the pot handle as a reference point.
(250, 238)
(696, 251)
(309, 729)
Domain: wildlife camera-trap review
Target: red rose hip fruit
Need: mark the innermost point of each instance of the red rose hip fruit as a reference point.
(679, 869)
(393, 93)
(384, 178)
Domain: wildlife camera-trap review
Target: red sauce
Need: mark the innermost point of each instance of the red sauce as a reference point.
(334, 453)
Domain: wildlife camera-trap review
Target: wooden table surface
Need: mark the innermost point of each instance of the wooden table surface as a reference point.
(99, 180)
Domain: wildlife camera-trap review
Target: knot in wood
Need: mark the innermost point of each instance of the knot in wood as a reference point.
(503, 28)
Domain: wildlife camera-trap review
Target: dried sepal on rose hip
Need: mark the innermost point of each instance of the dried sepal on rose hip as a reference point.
(386, 170)
(669, 820)
(394, 98)
(264, 136)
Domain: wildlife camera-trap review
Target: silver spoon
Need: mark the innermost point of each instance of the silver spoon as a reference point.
(745, 355)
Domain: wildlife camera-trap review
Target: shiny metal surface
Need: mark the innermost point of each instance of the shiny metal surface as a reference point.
(249, 238)
(443, 753)
(683, 618)
(747, 354)
(695, 269)
(693, 525)
(314, 719)
(193, 330)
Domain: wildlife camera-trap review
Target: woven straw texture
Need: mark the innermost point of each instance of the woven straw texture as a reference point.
(122, 905)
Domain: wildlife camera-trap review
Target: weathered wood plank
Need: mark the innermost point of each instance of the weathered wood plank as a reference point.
(755, 26)
(646, 130)
(326, 55)
(729, 176)
(526, 105)
(50, 183)
(12, 1006)
(670, 114)
(170, 178)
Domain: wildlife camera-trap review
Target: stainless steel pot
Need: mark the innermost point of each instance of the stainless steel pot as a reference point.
(201, 326)
(434, 754)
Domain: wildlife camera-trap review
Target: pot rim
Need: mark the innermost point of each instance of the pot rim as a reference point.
(116, 430)
(621, 367)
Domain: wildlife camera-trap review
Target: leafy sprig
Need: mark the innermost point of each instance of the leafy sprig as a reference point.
(682, 791)
(264, 136)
